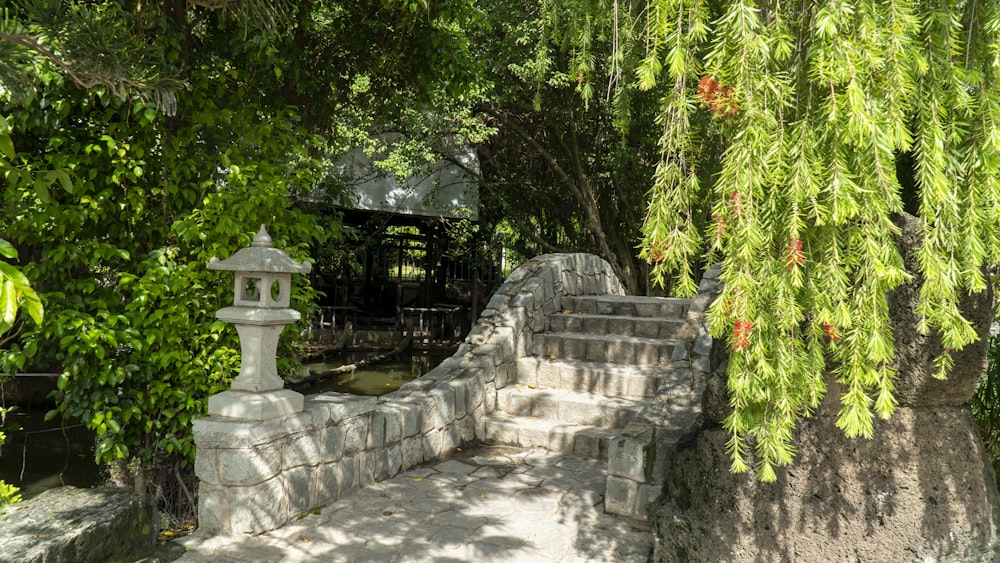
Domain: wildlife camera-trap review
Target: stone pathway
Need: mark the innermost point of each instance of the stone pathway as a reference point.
(499, 504)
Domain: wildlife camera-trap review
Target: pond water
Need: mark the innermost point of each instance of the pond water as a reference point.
(379, 379)
(42, 455)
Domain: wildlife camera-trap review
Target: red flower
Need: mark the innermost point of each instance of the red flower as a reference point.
(720, 99)
(741, 334)
(707, 89)
(720, 226)
(794, 255)
(658, 254)
(831, 331)
(736, 203)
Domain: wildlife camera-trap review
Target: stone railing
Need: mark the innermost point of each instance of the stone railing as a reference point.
(258, 475)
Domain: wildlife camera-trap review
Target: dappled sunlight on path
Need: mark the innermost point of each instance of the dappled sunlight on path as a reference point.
(498, 504)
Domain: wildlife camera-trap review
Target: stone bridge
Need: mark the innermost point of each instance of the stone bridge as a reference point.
(560, 359)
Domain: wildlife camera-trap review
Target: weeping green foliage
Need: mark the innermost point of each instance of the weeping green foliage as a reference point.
(809, 106)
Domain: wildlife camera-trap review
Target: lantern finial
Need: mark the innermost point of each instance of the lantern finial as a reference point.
(262, 239)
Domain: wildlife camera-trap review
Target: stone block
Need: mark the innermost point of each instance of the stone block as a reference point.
(517, 315)
(347, 470)
(442, 410)
(305, 448)
(256, 509)
(343, 405)
(219, 432)
(562, 438)
(474, 389)
(523, 343)
(412, 451)
(73, 524)
(393, 424)
(505, 374)
(592, 443)
(451, 438)
(381, 456)
(393, 460)
(466, 428)
(650, 352)
(355, 434)
(627, 457)
(702, 364)
(365, 464)
(527, 371)
(252, 405)
(504, 339)
(376, 430)
(248, 466)
(431, 444)
(206, 466)
(703, 345)
(620, 496)
(325, 484)
(213, 508)
(460, 388)
(498, 301)
(298, 491)
(490, 397)
(549, 374)
(571, 347)
(479, 334)
(333, 448)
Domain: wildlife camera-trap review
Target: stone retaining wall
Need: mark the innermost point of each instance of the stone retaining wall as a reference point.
(258, 475)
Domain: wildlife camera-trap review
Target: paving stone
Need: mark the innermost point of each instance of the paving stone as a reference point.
(452, 466)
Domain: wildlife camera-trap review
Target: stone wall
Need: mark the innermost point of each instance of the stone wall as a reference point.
(258, 475)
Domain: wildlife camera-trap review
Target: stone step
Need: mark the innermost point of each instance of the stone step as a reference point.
(529, 432)
(612, 380)
(627, 305)
(568, 406)
(625, 350)
(642, 327)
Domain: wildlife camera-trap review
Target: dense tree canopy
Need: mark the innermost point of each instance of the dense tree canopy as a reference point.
(828, 118)
(565, 173)
(139, 139)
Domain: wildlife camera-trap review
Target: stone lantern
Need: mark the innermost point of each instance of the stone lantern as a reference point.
(260, 311)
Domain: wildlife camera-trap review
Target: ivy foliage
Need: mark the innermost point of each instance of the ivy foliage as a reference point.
(821, 111)
(183, 128)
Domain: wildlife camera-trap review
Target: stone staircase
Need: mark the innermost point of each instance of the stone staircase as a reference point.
(610, 378)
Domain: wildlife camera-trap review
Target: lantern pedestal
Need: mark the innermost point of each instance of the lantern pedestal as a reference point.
(251, 405)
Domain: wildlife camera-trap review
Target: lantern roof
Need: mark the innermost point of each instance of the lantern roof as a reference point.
(260, 257)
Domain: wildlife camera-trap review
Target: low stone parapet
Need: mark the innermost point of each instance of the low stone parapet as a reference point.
(258, 475)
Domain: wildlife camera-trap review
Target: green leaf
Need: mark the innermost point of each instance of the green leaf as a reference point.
(7, 250)
(33, 305)
(7, 146)
(8, 303)
(65, 180)
(42, 189)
